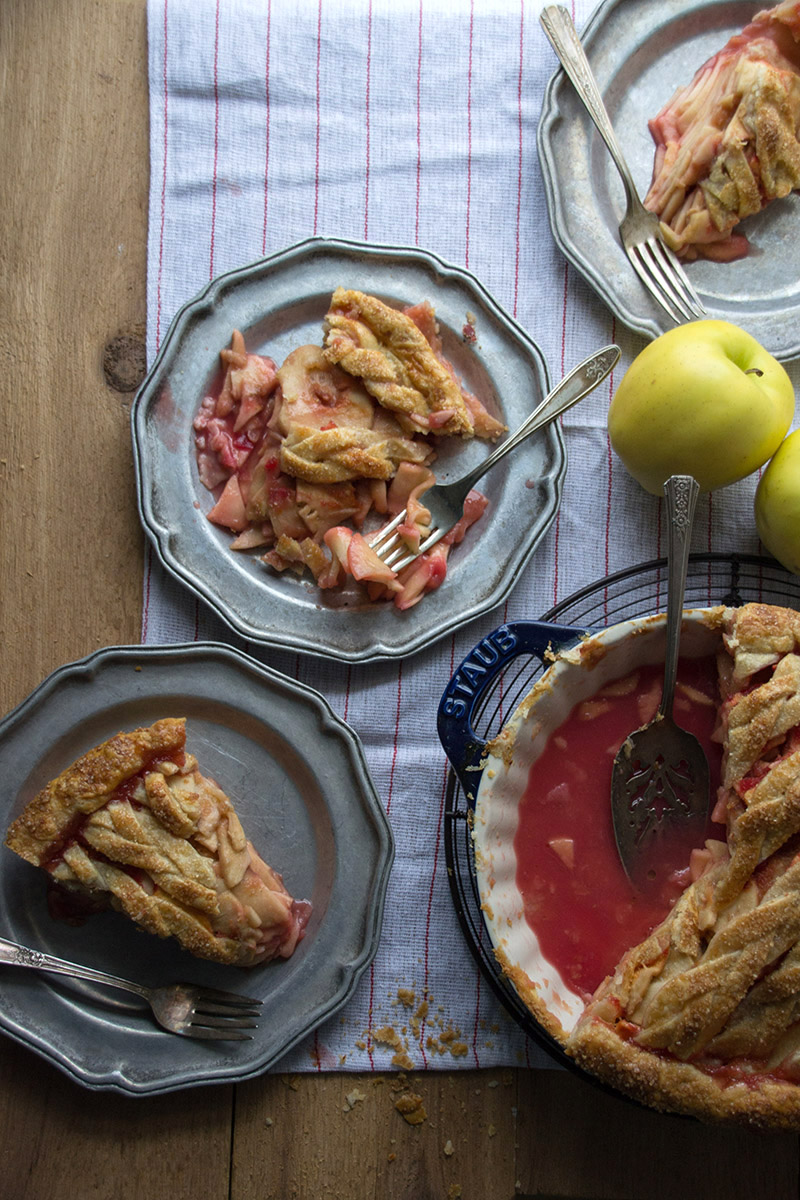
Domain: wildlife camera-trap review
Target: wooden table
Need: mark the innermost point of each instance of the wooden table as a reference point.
(74, 222)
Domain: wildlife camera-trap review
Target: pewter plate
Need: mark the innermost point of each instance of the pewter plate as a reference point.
(641, 52)
(297, 776)
(278, 304)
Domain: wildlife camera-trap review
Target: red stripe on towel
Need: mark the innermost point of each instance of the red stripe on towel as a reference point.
(163, 190)
(366, 120)
(609, 491)
(557, 529)
(216, 145)
(519, 152)
(316, 151)
(389, 791)
(419, 123)
(266, 130)
(437, 842)
(149, 555)
(469, 131)
(519, 198)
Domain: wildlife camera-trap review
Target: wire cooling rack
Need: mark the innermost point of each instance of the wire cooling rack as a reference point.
(635, 592)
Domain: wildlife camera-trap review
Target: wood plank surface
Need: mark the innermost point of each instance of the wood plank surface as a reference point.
(73, 194)
(72, 248)
(74, 129)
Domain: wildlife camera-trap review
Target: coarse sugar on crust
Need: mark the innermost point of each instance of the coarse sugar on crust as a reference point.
(87, 784)
(670, 1086)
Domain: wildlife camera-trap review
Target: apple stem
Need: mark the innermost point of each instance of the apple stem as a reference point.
(754, 371)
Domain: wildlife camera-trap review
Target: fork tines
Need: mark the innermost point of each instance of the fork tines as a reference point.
(396, 553)
(665, 279)
(223, 1015)
(228, 1011)
(230, 998)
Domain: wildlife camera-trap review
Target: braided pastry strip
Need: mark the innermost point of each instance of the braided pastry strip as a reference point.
(159, 914)
(385, 349)
(340, 454)
(135, 838)
(693, 1006)
(674, 946)
(759, 718)
(772, 816)
(756, 1028)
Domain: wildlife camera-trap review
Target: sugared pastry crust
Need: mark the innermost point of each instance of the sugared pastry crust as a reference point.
(133, 824)
(333, 430)
(388, 352)
(704, 1015)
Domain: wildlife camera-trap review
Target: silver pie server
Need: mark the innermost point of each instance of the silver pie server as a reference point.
(660, 777)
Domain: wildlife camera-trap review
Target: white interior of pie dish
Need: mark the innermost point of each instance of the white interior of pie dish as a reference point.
(576, 675)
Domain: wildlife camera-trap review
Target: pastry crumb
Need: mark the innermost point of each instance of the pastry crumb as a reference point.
(352, 1099)
(449, 1148)
(387, 1035)
(411, 1108)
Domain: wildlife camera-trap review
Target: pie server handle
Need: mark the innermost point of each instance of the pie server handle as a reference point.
(472, 686)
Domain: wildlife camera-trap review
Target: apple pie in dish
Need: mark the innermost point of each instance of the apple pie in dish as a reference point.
(727, 143)
(133, 824)
(700, 1013)
(300, 456)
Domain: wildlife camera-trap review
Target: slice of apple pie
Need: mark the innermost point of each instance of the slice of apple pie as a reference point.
(727, 143)
(132, 824)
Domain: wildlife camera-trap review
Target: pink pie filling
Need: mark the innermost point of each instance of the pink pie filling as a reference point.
(577, 897)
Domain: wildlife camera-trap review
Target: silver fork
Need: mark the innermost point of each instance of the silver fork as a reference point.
(445, 501)
(179, 1007)
(642, 240)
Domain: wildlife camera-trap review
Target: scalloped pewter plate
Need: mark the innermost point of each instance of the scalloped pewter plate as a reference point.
(297, 776)
(641, 52)
(279, 303)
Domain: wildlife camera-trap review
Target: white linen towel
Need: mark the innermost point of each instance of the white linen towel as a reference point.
(408, 122)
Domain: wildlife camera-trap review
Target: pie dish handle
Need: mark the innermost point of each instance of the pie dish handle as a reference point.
(472, 680)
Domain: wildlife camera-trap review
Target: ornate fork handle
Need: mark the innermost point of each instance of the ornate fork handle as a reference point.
(681, 492)
(572, 388)
(557, 24)
(21, 956)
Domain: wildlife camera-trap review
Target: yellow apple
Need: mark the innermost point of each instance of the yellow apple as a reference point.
(705, 399)
(777, 504)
